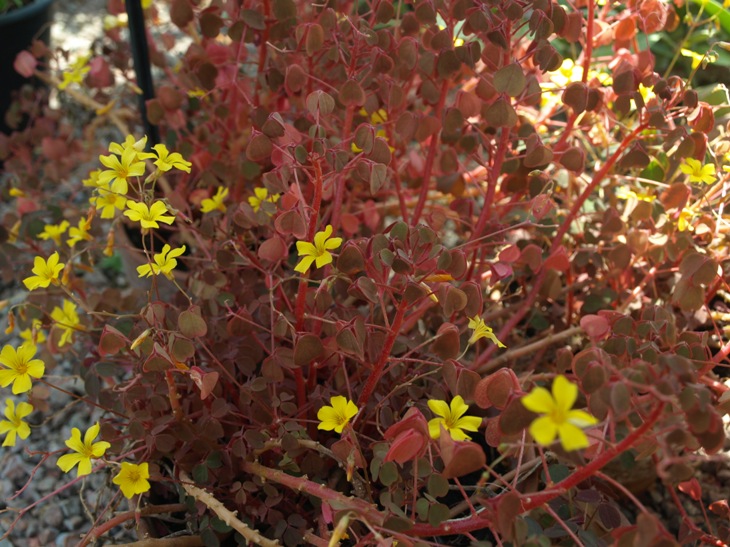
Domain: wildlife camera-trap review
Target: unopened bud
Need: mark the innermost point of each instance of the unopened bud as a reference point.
(141, 338)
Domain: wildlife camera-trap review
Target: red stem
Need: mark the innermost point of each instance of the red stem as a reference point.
(425, 185)
(588, 50)
(492, 182)
(340, 185)
(378, 370)
(303, 283)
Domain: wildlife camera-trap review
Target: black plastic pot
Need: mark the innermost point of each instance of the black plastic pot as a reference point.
(18, 29)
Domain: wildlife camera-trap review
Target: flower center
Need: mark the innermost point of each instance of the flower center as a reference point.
(88, 451)
(558, 416)
(341, 420)
(134, 476)
(22, 367)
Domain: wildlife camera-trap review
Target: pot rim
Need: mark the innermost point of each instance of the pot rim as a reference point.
(25, 12)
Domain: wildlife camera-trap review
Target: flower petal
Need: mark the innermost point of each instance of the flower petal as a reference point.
(333, 243)
(304, 248)
(22, 384)
(323, 259)
(98, 449)
(327, 417)
(84, 467)
(565, 393)
(470, 423)
(539, 400)
(434, 427)
(458, 408)
(74, 443)
(581, 418)
(440, 408)
(304, 264)
(458, 435)
(67, 461)
(91, 434)
(572, 437)
(543, 430)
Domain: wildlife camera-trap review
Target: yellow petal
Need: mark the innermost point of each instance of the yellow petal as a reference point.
(572, 437)
(543, 430)
(67, 461)
(458, 407)
(440, 408)
(581, 418)
(565, 393)
(539, 400)
(434, 427)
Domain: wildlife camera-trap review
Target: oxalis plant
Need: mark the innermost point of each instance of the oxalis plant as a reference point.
(398, 273)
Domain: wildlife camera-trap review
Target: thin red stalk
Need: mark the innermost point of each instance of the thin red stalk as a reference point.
(262, 50)
(426, 184)
(492, 182)
(597, 177)
(384, 354)
(303, 283)
(588, 50)
(340, 185)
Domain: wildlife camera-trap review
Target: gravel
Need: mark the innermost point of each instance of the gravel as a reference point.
(65, 516)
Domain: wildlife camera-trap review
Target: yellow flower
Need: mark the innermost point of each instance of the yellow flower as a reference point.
(197, 92)
(85, 451)
(108, 201)
(695, 56)
(337, 416)
(698, 172)
(647, 93)
(377, 117)
(319, 251)
(14, 425)
(481, 330)
(76, 73)
(452, 418)
(684, 221)
(54, 232)
(216, 202)
(34, 334)
(132, 479)
(16, 193)
(79, 233)
(260, 196)
(148, 217)
(129, 143)
(45, 272)
(166, 160)
(559, 419)
(627, 193)
(119, 169)
(164, 263)
(67, 320)
(93, 180)
(21, 367)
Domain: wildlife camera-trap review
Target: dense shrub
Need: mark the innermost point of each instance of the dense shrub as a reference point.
(396, 271)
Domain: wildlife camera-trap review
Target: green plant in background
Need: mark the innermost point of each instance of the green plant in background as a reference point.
(7, 5)
(369, 215)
